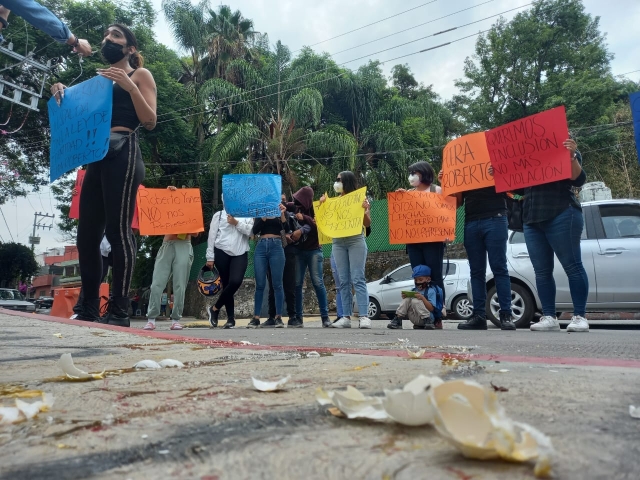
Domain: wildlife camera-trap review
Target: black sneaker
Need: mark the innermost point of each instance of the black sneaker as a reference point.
(254, 323)
(506, 323)
(278, 322)
(295, 323)
(117, 312)
(476, 322)
(213, 317)
(89, 311)
(438, 324)
(429, 324)
(326, 322)
(395, 324)
(231, 323)
(269, 323)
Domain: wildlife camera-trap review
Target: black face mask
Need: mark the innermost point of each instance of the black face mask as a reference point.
(421, 286)
(112, 52)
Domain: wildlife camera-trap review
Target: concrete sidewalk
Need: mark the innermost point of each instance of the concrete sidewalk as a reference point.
(207, 422)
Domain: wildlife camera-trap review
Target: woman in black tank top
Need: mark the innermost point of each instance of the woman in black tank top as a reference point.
(107, 200)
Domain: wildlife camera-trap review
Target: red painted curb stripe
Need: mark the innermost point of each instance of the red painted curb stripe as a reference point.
(576, 361)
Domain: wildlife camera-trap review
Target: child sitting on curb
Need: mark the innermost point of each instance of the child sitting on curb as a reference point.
(417, 308)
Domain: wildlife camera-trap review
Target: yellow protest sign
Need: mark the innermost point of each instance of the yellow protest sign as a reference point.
(342, 216)
(322, 238)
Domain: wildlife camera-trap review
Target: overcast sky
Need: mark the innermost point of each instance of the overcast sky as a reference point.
(307, 22)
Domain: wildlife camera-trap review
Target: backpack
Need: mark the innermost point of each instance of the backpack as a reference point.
(437, 308)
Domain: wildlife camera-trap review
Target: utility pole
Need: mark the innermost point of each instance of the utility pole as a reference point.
(33, 240)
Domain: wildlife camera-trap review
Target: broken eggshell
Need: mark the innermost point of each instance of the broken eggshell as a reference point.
(411, 406)
(634, 411)
(73, 372)
(147, 365)
(25, 410)
(270, 386)
(470, 417)
(170, 363)
(353, 403)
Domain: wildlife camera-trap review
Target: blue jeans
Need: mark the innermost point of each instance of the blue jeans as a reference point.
(269, 254)
(559, 235)
(350, 256)
(482, 238)
(40, 17)
(314, 260)
(336, 280)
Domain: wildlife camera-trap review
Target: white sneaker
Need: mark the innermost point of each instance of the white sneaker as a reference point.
(546, 324)
(365, 322)
(343, 322)
(578, 324)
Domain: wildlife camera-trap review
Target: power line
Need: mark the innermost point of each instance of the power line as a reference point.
(370, 24)
(628, 73)
(411, 28)
(7, 225)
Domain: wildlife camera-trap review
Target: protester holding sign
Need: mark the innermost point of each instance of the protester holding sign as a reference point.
(350, 255)
(269, 254)
(486, 233)
(110, 185)
(173, 259)
(309, 255)
(228, 248)
(421, 178)
(553, 224)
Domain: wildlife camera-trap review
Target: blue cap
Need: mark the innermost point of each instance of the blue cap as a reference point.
(421, 271)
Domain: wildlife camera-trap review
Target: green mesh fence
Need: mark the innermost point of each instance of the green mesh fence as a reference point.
(378, 241)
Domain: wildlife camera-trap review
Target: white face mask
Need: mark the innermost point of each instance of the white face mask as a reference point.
(337, 186)
(414, 180)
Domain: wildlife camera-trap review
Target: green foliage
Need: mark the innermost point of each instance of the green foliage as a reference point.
(16, 263)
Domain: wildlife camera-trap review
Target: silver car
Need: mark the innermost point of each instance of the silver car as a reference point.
(611, 256)
(13, 300)
(384, 294)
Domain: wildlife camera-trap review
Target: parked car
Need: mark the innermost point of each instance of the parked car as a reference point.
(384, 294)
(13, 300)
(42, 303)
(611, 256)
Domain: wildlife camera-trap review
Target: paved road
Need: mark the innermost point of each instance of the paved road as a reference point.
(206, 422)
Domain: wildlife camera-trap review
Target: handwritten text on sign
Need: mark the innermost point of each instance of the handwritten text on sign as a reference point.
(340, 217)
(252, 195)
(164, 212)
(322, 238)
(74, 211)
(465, 164)
(529, 151)
(80, 126)
(417, 217)
(635, 112)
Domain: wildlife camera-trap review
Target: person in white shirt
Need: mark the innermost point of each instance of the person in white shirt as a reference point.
(227, 248)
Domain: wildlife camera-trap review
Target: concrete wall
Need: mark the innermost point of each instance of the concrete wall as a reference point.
(378, 264)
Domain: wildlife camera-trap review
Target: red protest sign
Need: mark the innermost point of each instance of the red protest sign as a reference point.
(74, 211)
(529, 151)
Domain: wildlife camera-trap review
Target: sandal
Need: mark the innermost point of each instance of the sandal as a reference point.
(175, 326)
(150, 326)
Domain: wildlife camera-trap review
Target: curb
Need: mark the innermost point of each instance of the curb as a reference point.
(573, 361)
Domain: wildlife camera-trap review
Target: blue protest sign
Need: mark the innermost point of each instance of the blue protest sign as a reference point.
(80, 126)
(635, 112)
(252, 195)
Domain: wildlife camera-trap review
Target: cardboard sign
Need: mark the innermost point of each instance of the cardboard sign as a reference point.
(162, 211)
(530, 151)
(252, 195)
(80, 126)
(419, 217)
(74, 211)
(340, 217)
(465, 164)
(634, 99)
(322, 238)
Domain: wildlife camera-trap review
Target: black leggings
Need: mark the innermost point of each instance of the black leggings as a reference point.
(107, 203)
(231, 270)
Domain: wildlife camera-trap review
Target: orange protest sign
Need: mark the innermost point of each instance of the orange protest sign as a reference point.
(465, 164)
(162, 211)
(417, 217)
